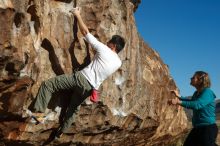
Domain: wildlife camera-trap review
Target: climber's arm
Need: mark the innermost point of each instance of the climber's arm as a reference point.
(83, 28)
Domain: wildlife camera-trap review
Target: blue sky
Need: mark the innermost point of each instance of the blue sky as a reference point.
(186, 34)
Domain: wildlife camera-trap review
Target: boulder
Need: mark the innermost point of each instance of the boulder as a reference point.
(40, 40)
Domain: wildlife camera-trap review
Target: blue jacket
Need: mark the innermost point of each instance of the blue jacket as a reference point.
(203, 106)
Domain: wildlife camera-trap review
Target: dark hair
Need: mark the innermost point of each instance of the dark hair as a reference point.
(204, 78)
(118, 41)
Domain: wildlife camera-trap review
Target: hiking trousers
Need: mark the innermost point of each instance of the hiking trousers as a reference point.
(75, 82)
(202, 136)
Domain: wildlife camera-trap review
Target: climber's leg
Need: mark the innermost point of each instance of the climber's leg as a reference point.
(76, 99)
(47, 88)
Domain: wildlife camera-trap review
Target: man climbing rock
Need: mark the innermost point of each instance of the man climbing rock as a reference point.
(82, 83)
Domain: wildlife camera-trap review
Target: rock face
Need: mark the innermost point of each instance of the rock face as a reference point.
(40, 39)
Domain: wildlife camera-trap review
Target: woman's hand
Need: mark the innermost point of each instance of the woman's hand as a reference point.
(175, 92)
(174, 101)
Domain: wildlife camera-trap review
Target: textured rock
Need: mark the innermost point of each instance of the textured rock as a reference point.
(39, 40)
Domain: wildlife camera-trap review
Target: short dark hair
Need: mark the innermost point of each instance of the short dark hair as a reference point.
(118, 41)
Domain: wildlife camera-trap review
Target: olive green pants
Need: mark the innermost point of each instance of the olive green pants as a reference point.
(76, 82)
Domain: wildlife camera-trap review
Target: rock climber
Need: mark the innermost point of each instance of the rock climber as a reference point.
(82, 83)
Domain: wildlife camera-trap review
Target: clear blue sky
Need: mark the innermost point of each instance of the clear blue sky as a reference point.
(186, 34)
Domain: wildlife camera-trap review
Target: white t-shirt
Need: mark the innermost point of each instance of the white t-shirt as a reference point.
(104, 63)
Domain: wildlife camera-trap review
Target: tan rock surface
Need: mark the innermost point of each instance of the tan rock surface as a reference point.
(39, 40)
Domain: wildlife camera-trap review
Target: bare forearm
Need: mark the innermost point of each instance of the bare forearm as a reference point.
(83, 28)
